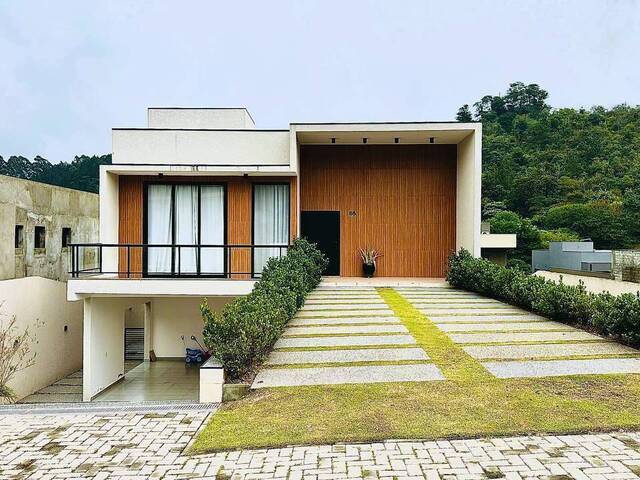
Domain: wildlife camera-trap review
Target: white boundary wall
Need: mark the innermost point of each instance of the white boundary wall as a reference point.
(592, 284)
(41, 305)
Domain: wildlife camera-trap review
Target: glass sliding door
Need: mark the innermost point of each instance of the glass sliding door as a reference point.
(186, 228)
(212, 259)
(182, 217)
(159, 229)
(270, 222)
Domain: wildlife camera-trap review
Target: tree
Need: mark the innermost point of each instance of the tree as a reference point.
(464, 114)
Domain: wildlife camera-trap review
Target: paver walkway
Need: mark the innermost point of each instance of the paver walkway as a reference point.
(350, 335)
(152, 445)
(510, 342)
(346, 335)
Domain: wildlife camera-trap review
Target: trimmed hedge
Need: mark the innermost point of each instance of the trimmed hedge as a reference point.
(244, 332)
(610, 315)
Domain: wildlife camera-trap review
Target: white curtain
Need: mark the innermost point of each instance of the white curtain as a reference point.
(186, 211)
(270, 222)
(159, 228)
(212, 229)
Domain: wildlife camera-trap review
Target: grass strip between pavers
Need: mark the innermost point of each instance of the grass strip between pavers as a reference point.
(454, 362)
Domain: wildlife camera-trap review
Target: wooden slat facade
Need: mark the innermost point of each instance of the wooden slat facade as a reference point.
(403, 196)
(239, 214)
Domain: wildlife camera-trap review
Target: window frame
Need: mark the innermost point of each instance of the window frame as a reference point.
(19, 228)
(36, 229)
(145, 230)
(253, 216)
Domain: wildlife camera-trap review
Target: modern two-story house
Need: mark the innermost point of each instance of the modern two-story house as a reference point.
(196, 202)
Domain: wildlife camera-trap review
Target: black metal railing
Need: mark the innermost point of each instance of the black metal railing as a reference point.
(137, 260)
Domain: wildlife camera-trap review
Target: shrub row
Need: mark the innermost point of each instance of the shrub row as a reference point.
(243, 333)
(617, 316)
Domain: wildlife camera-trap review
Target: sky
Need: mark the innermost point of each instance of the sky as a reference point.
(72, 70)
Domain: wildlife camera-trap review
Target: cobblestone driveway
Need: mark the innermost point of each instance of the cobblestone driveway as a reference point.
(151, 445)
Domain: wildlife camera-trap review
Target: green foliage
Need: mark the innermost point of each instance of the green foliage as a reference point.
(82, 173)
(244, 332)
(617, 316)
(537, 159)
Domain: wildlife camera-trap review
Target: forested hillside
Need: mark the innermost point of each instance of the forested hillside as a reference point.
(548, 174)
(559, 173)
(82, 173)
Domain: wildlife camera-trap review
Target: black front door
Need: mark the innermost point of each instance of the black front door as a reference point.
(323, 228)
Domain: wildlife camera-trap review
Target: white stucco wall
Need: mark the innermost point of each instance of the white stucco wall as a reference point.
(159, 117)
(201, 147)
(103, 344)
(40, 304)
(593, 284)
(468, 192)
(173, 317)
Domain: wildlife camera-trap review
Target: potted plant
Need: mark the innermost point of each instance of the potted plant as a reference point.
(369, 257)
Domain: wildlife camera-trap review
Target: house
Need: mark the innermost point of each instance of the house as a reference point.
(196, 202)
(38, 222)
(572, 257)
(494, 246)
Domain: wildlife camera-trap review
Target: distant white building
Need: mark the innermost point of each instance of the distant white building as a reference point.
(571, 256)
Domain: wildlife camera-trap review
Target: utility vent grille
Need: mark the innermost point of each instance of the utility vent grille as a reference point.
(134, 343)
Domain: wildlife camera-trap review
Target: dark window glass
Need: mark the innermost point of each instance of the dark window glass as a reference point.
(39, 237)
(66, 236)
(19, 236)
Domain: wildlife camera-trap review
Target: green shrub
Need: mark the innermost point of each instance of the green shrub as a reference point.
(617, 316)
(244, 332)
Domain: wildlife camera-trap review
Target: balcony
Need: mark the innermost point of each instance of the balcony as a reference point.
(150, 270)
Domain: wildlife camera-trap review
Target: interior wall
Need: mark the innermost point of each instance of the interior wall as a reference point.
(174, 317)
(40, 305)
(402, 199)
(239, 214)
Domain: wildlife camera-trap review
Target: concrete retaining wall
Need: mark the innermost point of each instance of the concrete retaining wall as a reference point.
(41, 305)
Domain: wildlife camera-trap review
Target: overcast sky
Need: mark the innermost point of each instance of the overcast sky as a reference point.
(71, 70)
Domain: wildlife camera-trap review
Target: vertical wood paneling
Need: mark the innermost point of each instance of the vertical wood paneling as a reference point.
(239, 219)
(130, 193)
(403, 196)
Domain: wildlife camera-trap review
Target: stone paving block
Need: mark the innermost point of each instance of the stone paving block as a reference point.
(548, 350)
(471, 311)
(345, 301)
(508, 337)
(361, 340)
(281, 377)
(343, 313)
(343, 321)
(346, 356)
(347, 306)
(485, 318)
(502, 326)
(552, 368)
(339, 330)
(462, 302)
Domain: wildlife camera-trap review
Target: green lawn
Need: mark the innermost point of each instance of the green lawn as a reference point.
(470, 403)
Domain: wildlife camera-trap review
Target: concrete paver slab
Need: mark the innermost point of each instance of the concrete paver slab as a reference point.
(485, 352)
(508, 337)
(346, 329)
(361, 340)
(553, 368)
(343, 321)
(485, 318)
(472, 311)
(343, 313)
(502, 326)
(345, 306)
(281, 377)
(346, 356)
